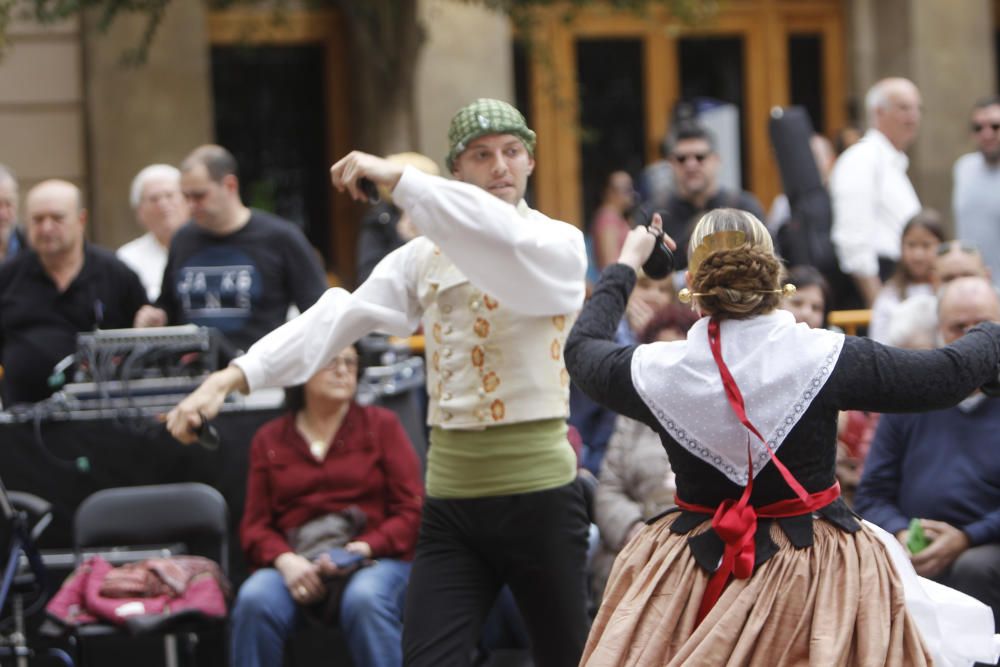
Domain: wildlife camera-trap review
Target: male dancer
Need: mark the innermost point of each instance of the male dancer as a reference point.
(497, 286)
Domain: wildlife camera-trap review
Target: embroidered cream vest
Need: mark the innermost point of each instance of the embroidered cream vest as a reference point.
(487, 364)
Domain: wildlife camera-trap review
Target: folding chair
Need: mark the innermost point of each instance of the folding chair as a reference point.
(131, 523)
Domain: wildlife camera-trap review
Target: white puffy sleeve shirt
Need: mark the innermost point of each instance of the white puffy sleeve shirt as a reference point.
(534, 264)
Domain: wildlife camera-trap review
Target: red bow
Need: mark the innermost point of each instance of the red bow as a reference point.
(735, 521)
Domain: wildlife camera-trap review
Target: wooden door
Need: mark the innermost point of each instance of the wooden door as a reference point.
(753, 38)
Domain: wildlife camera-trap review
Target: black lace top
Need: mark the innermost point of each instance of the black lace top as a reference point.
(868, 376)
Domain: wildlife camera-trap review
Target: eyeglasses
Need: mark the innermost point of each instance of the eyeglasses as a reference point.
(347, 363)
(684, 157)
(978, 127)
(947, 246)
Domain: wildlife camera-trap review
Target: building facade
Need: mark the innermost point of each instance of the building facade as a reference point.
(598, 85)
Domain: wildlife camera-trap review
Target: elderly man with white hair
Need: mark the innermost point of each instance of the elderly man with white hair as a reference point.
(872, 195)
(160, 209)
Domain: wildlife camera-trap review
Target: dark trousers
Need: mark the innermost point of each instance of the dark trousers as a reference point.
(469, 548)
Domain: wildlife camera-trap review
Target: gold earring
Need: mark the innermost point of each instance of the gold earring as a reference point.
(684, 296)
(788, 290)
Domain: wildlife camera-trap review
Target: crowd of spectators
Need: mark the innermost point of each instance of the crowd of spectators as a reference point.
(206, 258)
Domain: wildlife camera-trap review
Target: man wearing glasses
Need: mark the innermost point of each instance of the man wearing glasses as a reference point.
(976, 193)
(695, 163)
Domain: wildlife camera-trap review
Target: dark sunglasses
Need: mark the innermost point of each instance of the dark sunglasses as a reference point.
(978, 127)
(684, 157)
(947, 246)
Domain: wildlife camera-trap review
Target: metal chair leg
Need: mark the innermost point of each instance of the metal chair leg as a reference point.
(170, 651)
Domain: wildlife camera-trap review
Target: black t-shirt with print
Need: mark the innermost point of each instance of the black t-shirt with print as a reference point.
(242, 283)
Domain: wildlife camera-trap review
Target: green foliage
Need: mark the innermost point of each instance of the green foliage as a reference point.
(378, 20)
(520, 11)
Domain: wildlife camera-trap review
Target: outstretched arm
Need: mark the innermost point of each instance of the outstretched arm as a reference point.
(293, 352)
(875, 377)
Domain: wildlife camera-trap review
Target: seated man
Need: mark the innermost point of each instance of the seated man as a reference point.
(233, 268)
(59, 287)
(942, 467)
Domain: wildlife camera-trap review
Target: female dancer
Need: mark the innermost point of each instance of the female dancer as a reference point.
(762, 564)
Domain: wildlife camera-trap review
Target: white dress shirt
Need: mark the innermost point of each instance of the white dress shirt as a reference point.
(148, 259)
(872, 201)
(532, 265)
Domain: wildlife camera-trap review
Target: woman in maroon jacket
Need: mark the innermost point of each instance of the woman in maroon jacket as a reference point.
(328, 472)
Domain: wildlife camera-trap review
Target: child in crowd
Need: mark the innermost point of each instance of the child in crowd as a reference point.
(913, 275)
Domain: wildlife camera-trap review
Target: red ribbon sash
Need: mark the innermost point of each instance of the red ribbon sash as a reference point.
(735, 521)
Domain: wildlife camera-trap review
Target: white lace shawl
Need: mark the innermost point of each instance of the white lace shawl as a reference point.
(780, 367)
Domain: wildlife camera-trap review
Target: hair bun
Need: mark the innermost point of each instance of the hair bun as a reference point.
(738, 282)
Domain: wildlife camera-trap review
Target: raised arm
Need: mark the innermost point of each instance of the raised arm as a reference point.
(530, 262)
(599, 366)
(293, 352)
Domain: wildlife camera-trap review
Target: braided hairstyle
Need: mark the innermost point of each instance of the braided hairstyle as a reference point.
(740, 282)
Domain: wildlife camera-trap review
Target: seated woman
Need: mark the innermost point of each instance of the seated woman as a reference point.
(328, 462)
(763, 563)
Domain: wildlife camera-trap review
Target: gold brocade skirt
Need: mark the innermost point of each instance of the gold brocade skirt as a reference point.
(837, 603)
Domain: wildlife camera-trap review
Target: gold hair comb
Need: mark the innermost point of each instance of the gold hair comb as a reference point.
(715, 241)
(685, 295)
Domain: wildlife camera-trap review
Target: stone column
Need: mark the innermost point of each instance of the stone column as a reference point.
(42, 103)
(468, 54)
(954, 63)
(141, 114)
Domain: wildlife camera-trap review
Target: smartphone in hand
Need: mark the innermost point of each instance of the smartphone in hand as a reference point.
(343, 558)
